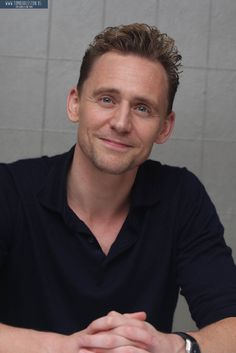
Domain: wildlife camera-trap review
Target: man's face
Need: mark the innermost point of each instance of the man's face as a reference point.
(121, 111)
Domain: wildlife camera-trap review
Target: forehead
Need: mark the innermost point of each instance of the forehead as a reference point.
(129, 72)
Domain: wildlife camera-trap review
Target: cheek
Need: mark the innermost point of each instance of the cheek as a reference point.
(94, 117)
(148, 133)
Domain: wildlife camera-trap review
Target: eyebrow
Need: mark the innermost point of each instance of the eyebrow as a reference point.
(143, 99)
(106, 89)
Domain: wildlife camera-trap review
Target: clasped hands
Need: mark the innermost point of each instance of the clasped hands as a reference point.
(126, 333)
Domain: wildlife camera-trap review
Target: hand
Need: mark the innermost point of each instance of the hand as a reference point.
(130, 333)
(19, 340)
(94, 341)
(113, 333)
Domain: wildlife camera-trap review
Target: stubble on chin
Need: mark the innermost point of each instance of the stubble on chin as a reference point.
(110, 162)
(114, 165)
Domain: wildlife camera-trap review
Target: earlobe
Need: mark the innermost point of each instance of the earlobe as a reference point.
(167, 128)
(73, 105)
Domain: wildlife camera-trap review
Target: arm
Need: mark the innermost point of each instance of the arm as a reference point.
(219, 337)
(19, 340)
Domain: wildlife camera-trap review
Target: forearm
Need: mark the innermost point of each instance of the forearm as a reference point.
(219, 337)
(18, 340)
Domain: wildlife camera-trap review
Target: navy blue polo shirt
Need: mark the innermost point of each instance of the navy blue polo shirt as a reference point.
(55, 277)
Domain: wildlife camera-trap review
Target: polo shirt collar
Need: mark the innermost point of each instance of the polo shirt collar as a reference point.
(144, 193)
(53, 193)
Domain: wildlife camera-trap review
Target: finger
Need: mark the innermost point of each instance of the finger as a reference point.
(140, 315)
(104, 340)
(126, 349)
(83, 350)
(135, 334)
(114, 313)
(110, 322)
(96, 350)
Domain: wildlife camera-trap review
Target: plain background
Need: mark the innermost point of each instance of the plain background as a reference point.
(40, 56)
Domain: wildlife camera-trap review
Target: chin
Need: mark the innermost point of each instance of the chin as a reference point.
(115, 168)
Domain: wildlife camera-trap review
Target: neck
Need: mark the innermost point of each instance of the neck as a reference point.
(94, 193)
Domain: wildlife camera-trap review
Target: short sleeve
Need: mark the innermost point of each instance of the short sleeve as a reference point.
(206, 271)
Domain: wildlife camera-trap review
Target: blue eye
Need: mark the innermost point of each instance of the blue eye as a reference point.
(143, 108)
(106, 100)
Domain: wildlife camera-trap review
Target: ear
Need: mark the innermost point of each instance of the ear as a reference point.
(166, 128)
(73, 105)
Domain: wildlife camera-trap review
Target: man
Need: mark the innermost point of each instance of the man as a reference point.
(95, 243)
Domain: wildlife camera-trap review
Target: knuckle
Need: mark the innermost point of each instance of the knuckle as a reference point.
(110, 320)
(128, 330)
(112, 313)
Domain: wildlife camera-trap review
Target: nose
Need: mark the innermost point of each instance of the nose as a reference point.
(121, 119)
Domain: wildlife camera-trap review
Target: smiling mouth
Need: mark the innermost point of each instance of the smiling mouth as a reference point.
(115, 143)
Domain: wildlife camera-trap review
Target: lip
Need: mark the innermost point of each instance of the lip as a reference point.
(117, 144)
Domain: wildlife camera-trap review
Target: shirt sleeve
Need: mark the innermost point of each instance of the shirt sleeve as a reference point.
(8, 212)
(206, 271)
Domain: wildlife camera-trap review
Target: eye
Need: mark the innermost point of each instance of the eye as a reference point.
(143, 110)
(105, 100)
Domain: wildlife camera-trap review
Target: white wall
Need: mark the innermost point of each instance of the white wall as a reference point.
(40, 55)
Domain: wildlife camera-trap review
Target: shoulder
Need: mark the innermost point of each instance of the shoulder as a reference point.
(170, 179)
(26, 174)
(155, 182)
